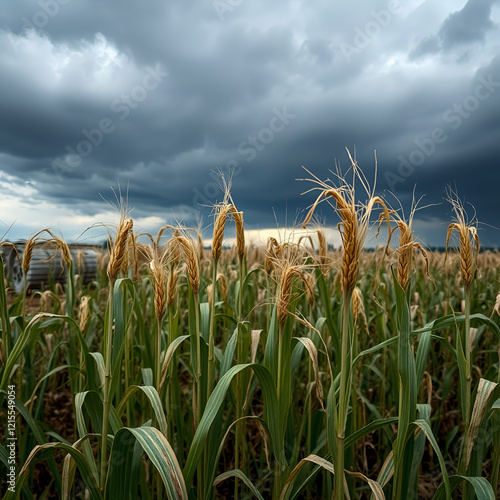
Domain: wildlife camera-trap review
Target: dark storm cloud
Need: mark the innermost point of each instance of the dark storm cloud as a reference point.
(158, 97)
(468, 25)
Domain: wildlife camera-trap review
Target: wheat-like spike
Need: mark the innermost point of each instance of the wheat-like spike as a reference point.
(285, 291)
(308, 238)
(357, 302)
(221, 278)
(322, 250)
(187, 248)
(273, 251)
(352, 230)
(119, 248)
(468, 261)
(27, 254)
(219, 226)
(240, 231)
(496, 307)
(358, 308)
(158, 274)
(84, 312)
(172, 286)
(31, 243)
(201, 250)
(63, 246)
(468, 257)
(405, 254)
(209, 294)
(309, 286)
(133, 257)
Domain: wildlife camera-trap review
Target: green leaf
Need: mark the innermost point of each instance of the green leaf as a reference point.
(125, 461)
(481, 486)
(78, 457)
(216, 401)
(240, 475)
(27, 336)
(430, 436)
(154, 399)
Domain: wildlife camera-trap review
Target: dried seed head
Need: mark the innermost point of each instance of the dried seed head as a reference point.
(158, 275)
(27, 254)
(219, 226)
(322, 251)
(407, 246)
(201, 250)
(221, 279)
(187, 248)
(119, 248)
(355, 220)
(405, 254)
(52, 241)
(172, 286)
(496, 307)
(309, 286)
(273, 251)
(285, 291)
(47, 300)
(306, 237)
(358, 308)
(132, 255)
(288, 261)
(63, 246)
(468, 255)
(84, 312)
(209, 295)
(240, 232)
(173, 249)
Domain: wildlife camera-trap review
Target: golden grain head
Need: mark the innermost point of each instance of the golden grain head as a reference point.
(119, 248)
(201, 249)
(288, 261)
(188, 251)
(27, 254)
(219, 226)
(288, 272)
(357, 302)
(468, 238)
(309, 286)
(63, 246)
(355, 220)
(158, 274)
(172, 286)
(240, 232)
(222, 280)
(84, 312)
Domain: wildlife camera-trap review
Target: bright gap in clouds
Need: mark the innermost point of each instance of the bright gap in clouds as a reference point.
(23, 214)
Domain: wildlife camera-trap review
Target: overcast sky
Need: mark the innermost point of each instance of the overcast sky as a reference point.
(158, 95)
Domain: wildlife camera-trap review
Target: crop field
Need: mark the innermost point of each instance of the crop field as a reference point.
(291, 371)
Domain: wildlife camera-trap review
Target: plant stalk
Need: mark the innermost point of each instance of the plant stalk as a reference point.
(107, 382)
(344, 394)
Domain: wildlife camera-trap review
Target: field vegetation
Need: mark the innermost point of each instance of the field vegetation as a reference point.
(285, 372)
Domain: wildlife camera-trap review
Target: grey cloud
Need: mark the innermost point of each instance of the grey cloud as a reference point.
(463, 27)
(225, 79)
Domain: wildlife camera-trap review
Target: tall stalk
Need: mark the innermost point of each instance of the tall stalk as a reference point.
(108, 335)
(355, 221)
(344, 392)
(466, 349)
(240, 428)
(211, 337)
(116, 264)
(468, 266)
